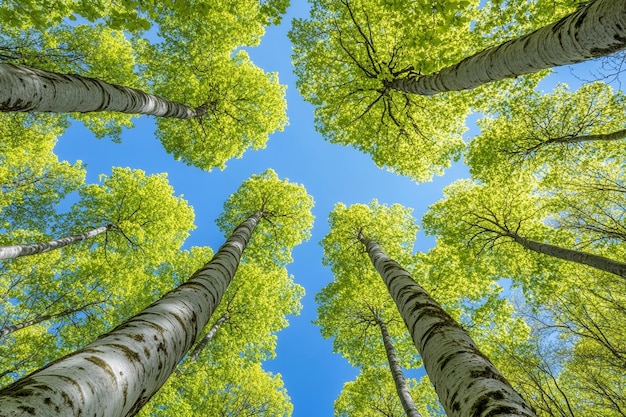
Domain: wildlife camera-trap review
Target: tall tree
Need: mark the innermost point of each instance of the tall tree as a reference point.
(15, 251)
(488, 217)
(372, 394)
(543, 132)
(31, 89)
(136, 358)
(466, 382)
(595, 29)
(106, 270)
(466, 385)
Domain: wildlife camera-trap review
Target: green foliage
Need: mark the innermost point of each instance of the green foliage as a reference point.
(350, 305)
(244, 105)
(534, 131)
(347, 51)
(287, 218)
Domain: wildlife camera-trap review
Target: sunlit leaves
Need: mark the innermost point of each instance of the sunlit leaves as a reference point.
(344, 55)
(349, 305)
(287, 218)
(538, 132)
(243, 106)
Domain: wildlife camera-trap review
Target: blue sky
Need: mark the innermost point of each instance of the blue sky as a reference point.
(313, 375)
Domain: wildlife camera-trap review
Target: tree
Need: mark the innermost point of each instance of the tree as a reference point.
(465, 381)
(31, 89)
(346, 50)
(137, 357)
(595, 29)
(371, 394)
(420, 314)
(541, 132)
(485, 216)
(243, 334)
(15, 251)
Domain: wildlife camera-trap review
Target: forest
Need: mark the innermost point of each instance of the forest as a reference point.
(372, 208)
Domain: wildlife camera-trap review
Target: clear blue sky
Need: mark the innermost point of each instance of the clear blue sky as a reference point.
(313, 375)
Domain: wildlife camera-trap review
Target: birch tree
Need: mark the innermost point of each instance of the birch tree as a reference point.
(345, 51)
(465, 385)
(30, 89)
(15, 251)
(130, 363)
(594, 30)
(466, 382)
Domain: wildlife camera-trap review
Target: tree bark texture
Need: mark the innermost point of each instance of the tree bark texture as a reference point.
(595, 261)
(396, 371)
(467, 383)
(27, 89)
(119, 372)
(15, 251)
(597, 28)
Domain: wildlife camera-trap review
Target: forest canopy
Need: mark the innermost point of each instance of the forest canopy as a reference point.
(419, 208)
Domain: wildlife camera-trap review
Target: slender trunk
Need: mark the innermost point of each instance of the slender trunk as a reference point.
(6, 330)
(595, 29)
(606, 137)
(26, 89)
(120, 371)
(396, 371)
(8, 252)
(595, 261)
(467, 383)
(208, 337)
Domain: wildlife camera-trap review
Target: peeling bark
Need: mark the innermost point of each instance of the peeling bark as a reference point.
(595, 29)
(15, 251)
(396, 372)
(26, 89)
(467, 383)
(120, 371)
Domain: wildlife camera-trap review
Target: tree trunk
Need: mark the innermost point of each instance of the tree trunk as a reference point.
(467, 383)
(119, 372)
(396, 371)
(8, 252)
(26, 89)
(584, 258)
(208, 337)
(597, 28)
(40, 319)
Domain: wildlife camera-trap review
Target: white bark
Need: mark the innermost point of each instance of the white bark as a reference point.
(26, 89)
(208, 337)
(119, 372)
(396, 372)
(584, 258)
(467, 383)
(15, 251)
(595, 29)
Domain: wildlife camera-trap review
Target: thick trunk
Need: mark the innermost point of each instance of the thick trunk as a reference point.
(8, 252)
(208, 337)
(398, 377)
(15, 327)
(119, 372)
(467, 383)
(584, 258)
(26, 89)
(595, 29)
